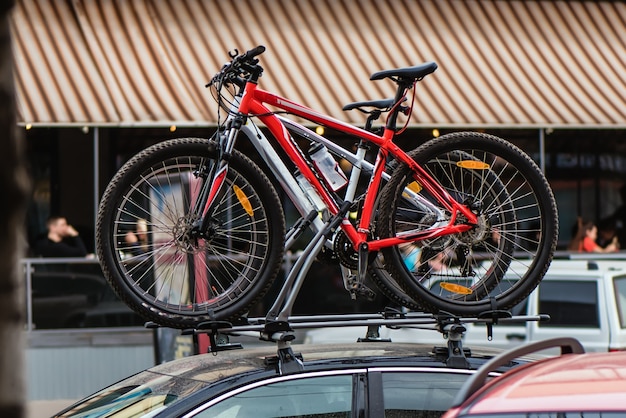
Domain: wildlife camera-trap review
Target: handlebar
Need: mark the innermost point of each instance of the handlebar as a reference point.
(253, 52)
(239, 65)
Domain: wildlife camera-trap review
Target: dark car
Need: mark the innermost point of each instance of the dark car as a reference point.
(365, 379)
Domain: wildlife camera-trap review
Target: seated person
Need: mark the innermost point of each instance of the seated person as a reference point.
(585, 240)
(62, 240)
(137, 241)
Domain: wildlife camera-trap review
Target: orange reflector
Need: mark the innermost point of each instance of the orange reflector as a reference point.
(455, 288)
(243, 199)
(473, 165)
(415, 187)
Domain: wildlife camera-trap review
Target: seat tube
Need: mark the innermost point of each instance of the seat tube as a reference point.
(370, 197)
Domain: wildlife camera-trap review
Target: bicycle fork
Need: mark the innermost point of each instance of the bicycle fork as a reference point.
(214, 178)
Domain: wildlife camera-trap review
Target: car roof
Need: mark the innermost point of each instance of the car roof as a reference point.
(589, 266)
(215, 366)
(194, 379)
(570, 382)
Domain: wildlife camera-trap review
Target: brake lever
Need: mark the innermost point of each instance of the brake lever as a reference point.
(238, 62)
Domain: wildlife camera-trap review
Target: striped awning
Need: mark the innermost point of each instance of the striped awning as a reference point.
(501, 63)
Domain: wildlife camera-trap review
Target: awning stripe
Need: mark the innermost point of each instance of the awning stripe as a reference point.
(501, 63)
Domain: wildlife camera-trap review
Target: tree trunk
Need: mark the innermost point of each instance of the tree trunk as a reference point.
(14, 186)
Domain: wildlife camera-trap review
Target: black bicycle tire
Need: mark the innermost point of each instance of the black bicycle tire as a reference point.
(546, 205)
(385, 282)
(389, 287)
(136, 299)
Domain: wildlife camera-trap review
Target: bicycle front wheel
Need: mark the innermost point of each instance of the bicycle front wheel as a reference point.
(175, 276)
(498, 262)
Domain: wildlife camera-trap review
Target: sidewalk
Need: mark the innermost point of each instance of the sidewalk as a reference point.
(45, 409)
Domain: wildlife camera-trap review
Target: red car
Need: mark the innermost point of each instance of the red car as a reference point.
(572, 384)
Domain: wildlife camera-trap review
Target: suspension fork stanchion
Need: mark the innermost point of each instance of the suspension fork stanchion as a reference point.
(215, 179)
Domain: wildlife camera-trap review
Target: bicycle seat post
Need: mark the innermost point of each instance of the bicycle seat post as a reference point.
(374, 115)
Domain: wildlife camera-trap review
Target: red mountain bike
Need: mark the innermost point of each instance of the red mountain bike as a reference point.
(465, 223)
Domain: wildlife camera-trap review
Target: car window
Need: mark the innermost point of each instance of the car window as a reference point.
(569, 303)
(427, 395)
(620, 296)
(319, 397)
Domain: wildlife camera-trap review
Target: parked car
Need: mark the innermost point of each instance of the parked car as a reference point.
(73, 297)
(574, 384)
(585, 299)
(347, 380)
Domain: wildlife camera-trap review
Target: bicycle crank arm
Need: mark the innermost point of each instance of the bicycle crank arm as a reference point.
(363, 260)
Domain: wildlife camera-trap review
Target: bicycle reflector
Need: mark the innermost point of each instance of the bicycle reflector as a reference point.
(473, 165)
(415, 187)
(455, 288)
(243, 199)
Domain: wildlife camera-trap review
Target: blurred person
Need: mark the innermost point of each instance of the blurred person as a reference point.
(62, 240)
(585, 239)
(577, 235)
(137, 240)
(607, 232)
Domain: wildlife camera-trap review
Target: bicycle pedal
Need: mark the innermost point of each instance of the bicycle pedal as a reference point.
(363, 291)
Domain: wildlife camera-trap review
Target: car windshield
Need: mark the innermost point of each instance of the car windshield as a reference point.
(141, 395)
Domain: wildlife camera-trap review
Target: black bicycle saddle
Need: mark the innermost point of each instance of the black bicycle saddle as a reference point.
(411, 73)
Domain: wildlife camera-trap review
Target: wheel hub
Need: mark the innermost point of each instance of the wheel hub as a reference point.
(188, 237)
(478, 234)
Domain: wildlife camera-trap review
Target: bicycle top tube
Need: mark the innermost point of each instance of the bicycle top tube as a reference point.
(254, 104)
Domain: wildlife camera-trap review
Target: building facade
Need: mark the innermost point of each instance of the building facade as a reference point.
(99, 80)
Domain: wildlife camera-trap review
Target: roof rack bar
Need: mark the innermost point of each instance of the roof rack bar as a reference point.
(326, 321)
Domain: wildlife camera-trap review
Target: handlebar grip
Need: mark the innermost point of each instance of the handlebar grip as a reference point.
(254, 52)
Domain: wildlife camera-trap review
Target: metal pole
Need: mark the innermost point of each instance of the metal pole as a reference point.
(542, 150)
(28, 270)
(96, 173)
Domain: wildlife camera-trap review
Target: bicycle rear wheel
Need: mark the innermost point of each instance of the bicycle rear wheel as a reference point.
(503, 258)
(177, 278)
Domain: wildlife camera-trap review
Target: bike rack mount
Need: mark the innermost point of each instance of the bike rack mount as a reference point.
(450, 326)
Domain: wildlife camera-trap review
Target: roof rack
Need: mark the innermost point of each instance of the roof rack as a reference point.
(281, 332)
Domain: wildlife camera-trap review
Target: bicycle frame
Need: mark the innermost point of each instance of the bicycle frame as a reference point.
(255, 102)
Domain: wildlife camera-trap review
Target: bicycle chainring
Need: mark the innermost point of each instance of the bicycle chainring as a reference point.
(344, 250)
